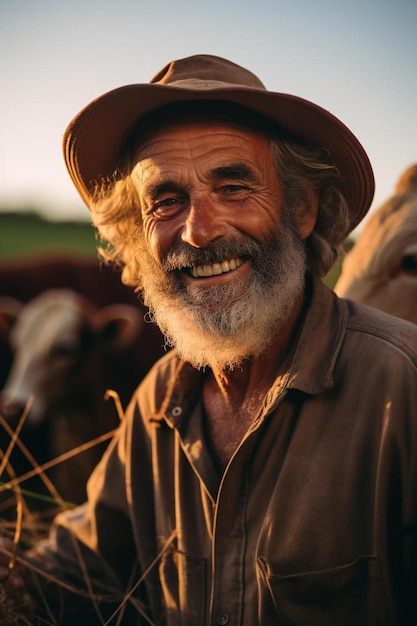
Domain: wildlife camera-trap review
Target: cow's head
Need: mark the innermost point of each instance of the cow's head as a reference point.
(59, 341)
(381, 269)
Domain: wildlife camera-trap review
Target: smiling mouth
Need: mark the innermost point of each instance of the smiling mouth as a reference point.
(215, 269)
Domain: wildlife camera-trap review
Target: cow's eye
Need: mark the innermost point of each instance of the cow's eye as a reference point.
(64, 350)
(409, 264)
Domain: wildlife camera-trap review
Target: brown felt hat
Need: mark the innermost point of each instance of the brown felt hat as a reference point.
(93, 140)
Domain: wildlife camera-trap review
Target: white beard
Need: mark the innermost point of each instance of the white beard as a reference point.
(221, 327)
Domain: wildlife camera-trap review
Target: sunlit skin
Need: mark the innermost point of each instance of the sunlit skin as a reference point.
(200, 182)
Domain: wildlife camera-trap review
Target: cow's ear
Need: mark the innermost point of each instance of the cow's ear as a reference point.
(9, 310)
(117, 326)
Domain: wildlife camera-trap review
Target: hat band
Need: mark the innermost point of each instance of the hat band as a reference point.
(198, 83)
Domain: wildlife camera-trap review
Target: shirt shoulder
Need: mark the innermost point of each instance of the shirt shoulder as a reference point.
(380, 330)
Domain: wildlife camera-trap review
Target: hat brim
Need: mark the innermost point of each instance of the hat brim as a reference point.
(93, 139)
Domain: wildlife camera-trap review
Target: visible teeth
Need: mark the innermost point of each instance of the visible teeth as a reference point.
(216, 268)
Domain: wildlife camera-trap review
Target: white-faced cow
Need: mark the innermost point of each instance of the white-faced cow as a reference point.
(26, 277)
(65, 350)
(381, 268)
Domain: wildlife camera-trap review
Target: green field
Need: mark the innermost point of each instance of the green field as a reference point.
(26, 233)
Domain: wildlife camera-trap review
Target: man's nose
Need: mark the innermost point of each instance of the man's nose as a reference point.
(204, 224)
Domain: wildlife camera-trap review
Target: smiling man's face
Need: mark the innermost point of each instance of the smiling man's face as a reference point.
(221, 268)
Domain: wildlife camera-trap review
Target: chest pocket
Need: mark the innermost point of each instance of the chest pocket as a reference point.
(349, 595)
(183, 580)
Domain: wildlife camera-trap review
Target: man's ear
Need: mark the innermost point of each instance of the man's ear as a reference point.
(307, 215)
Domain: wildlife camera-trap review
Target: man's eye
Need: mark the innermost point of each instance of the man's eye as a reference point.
(234, 188)
(235, 191)
(166, 203)
(167, 207)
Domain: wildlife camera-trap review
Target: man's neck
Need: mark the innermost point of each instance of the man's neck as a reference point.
(233, 397)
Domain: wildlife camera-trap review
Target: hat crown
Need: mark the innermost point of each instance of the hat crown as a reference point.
(206, 71)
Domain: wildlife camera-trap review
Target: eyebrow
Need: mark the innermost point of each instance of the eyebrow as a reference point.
(235, 171)
(165, 186)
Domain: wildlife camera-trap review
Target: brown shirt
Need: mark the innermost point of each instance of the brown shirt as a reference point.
(313, 522)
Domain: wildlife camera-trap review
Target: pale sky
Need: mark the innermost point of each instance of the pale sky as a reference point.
(356, 58)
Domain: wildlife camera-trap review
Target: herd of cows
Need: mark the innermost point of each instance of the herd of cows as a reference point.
(70, 331)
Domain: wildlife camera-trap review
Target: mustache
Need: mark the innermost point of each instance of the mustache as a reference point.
(182, 255)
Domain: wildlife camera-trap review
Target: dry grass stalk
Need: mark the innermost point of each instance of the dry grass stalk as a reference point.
(16, 607)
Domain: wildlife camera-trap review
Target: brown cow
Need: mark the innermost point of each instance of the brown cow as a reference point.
(381, 268)
(65, 349)
(26, 277)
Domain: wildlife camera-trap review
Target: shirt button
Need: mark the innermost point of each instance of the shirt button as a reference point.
(176, 411)
(222, 619)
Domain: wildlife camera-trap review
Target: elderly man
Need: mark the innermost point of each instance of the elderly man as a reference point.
(265, 472)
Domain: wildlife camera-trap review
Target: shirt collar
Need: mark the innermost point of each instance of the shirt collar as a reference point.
(320, 341)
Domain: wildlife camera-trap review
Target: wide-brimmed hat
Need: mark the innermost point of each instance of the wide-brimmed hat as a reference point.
(93, 140)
